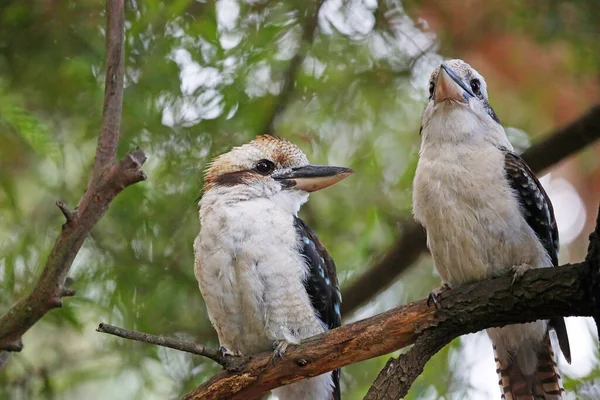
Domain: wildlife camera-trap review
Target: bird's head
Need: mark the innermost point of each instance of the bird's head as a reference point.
(269, 167)
(458, 107)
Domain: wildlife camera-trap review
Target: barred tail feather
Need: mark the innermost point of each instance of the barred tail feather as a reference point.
(544, 384)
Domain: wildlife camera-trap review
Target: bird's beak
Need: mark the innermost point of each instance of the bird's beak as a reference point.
(311, 178)
(450, 87)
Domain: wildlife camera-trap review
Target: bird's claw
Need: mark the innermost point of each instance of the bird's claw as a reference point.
(435, 293)
(519, 270)
(226, 352)
(279, 348)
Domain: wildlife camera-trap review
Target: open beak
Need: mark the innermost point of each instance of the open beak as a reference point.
(311, 178)
(450, 87)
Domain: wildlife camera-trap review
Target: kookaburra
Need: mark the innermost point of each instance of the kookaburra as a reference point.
(265, 276)
(486, 214)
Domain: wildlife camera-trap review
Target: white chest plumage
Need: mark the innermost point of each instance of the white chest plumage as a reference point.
(475, 229)
(251, 275)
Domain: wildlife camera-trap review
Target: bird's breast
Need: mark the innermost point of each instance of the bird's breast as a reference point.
(472, 219)
(243, 254)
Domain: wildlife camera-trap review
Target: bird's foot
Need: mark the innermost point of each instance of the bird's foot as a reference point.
(279, 348)
(226, 352)
(519, 270)
(435, 293)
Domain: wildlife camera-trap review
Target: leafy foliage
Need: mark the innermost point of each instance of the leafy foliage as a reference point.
(202, 77)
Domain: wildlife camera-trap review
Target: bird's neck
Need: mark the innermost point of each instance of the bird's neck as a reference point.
(288, 201)
(456, 125)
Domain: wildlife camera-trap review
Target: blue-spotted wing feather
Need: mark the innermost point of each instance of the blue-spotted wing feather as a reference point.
(539, 214)
(321, 284)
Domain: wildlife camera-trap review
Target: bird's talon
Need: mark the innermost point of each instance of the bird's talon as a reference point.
(226, 352)
(435, 293)
(519, 270)
(279, 350)
(432, 299)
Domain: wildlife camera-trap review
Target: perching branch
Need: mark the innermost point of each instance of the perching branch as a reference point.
(553, 149)
(308, 34)
(107, 180)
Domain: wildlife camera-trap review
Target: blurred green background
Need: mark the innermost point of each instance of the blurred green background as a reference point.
(203, 76)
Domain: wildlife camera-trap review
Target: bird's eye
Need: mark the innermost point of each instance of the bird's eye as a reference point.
(476, 86)
(264, 167)
(431, 89)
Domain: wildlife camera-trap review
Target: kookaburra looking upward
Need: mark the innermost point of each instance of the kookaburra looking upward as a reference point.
(266, 278)
(486, 214)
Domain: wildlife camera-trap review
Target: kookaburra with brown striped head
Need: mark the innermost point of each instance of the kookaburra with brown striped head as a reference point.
(266, 278)
(486, 214)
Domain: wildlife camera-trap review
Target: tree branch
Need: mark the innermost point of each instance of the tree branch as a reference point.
(308, 34)
(553, 149)
(108, 179)
(228, 362)
(396, 378)
(108, 139)
(539, 294)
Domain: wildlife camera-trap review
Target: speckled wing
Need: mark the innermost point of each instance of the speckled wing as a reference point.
(539, 214)
(321, 284)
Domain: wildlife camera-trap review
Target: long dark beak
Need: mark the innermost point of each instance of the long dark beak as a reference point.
(311, 178)
(450, 87)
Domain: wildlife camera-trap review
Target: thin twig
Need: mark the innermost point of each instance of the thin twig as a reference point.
(189, 347)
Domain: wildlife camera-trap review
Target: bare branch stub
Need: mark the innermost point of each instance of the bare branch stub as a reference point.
(69, 214)
(107, 180)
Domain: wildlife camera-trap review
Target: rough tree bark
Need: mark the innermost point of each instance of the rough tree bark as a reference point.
(554, 148)
(108, 179)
